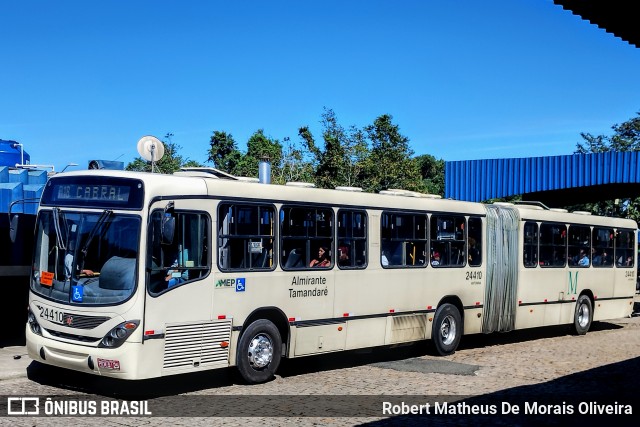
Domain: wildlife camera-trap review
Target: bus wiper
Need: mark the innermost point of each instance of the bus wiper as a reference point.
(103, 218)
(56, 225)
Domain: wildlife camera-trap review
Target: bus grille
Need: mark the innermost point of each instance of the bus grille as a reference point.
(197, 344)
(79, 321)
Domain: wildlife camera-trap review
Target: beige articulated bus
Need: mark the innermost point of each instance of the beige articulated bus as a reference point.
(140, 275)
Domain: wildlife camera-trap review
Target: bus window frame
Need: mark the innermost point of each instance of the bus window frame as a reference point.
(352, 239)
(404, 241)
(307, 256)
(206, 250)
(274, 236)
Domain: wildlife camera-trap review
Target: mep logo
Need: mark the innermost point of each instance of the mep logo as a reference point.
(23, 406)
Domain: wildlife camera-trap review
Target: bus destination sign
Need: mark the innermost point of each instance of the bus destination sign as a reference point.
(100, 192)
(88, 191)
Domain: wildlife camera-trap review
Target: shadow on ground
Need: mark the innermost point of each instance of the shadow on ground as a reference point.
(579, 398)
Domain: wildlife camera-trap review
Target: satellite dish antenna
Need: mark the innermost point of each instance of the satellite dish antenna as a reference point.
(151, 149)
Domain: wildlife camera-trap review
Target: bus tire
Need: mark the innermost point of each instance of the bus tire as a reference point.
(259, 352)
(583, 315)
(447, 329)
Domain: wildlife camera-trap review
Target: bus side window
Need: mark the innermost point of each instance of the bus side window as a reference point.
(186, 258)
(530, 250)
(246, 236)
(304, 230)
(403, 240)
(474, 247)
(352, 239)
(448, 241)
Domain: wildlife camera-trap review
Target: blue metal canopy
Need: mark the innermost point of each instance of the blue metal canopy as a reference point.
(564, 179)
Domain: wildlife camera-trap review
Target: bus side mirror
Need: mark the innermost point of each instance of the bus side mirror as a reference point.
(13, 227)
(168, 229)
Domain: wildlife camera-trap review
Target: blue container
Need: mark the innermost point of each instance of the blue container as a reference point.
(19, 175)
(10, 192)
(37, 177)
(32, 192)
(10, 154)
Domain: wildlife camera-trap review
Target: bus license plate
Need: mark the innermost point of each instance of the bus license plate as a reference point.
(109, 364)
(54, 316)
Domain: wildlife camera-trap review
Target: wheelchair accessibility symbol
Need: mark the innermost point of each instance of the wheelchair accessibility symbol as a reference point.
(240, 285)
(77, 293)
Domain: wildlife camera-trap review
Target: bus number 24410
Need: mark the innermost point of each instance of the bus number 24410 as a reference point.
(474, 275)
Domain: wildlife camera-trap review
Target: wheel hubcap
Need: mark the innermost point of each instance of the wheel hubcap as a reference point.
(260, 351)
(448, 330)
(583, 315)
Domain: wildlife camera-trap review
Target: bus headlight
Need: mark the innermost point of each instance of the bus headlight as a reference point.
(33, 322)
(119, 334)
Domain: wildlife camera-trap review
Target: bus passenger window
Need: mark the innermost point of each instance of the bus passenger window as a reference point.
(530, 250)
(306, 237)
(602, 241)
(579, 251)
(403, 240)
(474, 249)
(183, 260)
(245, 237)
(553, 245)
(448, 241)
(624, 248)
(352, 239)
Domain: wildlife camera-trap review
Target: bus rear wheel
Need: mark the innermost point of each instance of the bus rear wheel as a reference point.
(583, 315)
(259, 352)
(447, 329)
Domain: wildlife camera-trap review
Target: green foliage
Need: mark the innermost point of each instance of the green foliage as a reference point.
(390, 164)
(223, 152)
(260, 146)
(295, 164)
(375, 157)
(626, 137)
(432, 172)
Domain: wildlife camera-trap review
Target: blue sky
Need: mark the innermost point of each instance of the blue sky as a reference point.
(463, 79)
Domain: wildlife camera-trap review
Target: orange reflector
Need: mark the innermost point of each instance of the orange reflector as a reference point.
(222, 316)
(224, 344)
(130, 325)
(339, 328)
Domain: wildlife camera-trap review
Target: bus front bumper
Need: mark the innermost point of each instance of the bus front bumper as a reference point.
(118, 362)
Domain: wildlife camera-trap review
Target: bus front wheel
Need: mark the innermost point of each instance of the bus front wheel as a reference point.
(259, 352)
(447, 329)
(583, 315)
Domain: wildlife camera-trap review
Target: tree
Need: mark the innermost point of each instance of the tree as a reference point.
(342, 160)
(259, 146)
(626, 137)
(170, 162)
(295, 164)
(223, 152)
(432, 172)
(390, 164)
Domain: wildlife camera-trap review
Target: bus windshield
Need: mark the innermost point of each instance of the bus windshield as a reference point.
(85, 258)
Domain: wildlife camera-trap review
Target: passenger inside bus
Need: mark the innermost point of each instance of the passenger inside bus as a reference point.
(323, 258)
(435, 258)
